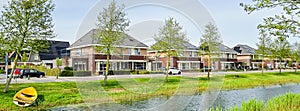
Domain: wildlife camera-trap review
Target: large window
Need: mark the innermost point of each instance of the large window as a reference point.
(195, 65)
(156, 66)
(140, 66)
(80, 66)
(184, 66)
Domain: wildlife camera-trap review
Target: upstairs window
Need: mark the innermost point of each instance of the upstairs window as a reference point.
(137, 51)
(129, 51)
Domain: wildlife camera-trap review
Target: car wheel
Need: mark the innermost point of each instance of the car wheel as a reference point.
(170, 73)
(179, 73)
(41, 76)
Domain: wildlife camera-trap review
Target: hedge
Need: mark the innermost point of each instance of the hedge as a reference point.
(68, 73)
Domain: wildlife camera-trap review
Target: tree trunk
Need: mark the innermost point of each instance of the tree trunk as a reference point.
(106, 70)
(280, 67)
(208, 66)
(11, 74)
(262, 65)
(167, 69)
(58, 72)
(296, 66)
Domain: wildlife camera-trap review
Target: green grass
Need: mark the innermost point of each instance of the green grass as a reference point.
(128, 90)
(53, 94)
(287, 102)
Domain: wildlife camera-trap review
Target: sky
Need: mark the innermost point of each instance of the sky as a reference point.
(73, 18)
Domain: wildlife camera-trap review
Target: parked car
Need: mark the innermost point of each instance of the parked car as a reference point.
(31, 73)
(16, 74)
(173, 70)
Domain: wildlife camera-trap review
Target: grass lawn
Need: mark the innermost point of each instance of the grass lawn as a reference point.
(126, 90)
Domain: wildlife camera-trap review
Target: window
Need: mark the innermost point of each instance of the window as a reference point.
(156, 66)
(195, 54)
(36, 57)
(184, 66)
(223, 56)
(137, 51)
(129, 51)
(195, 65)
(231, 56)
(80, 66)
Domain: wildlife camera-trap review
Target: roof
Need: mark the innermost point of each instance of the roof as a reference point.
(54, 51)
(186, 44)
(226, 49)
(88, 39)
(190, 46)
(244, 49)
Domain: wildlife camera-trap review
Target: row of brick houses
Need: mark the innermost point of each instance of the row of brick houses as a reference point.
(135, 55)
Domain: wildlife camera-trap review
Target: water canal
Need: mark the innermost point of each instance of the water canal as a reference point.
(225, 99)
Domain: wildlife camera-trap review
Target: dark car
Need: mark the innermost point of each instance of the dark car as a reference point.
(31, 73)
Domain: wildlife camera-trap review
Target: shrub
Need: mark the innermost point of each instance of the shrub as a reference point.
(140, 72)
(66, 73)
(2, 71)
(144, 72)
(68, 68)
(134, 72)
(51, 72)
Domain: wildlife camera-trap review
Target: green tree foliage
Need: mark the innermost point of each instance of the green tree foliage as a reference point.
(295, 54)
(280, 49)
(110, 32)
(263, 47)
(24, 57)
(284, 24)
(26, 24)
(209, 43)
(170, 40)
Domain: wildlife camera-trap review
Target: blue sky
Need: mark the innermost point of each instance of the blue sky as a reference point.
(235, 25)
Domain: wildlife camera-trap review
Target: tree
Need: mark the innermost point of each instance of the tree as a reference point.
(295, 54)
(24, 57)
(58, 64)
(263, 47)
(110, 32)
(284, 24)
(209, 43)
(26, 24)
(170, 40)
(280, 49)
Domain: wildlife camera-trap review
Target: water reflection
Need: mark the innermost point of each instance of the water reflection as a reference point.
(226, 99)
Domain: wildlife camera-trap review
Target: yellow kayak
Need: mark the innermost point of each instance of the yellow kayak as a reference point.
(25, 97)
